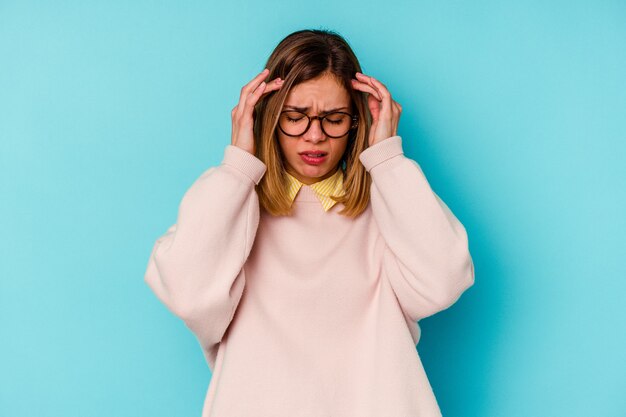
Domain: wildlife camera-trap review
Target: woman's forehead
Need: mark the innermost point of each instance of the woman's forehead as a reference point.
(324, 91)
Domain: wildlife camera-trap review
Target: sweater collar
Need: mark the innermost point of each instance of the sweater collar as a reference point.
(323, 189)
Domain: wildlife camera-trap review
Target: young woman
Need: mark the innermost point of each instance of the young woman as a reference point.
(303, 262)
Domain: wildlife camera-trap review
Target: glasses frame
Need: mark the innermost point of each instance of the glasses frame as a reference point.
(354, 117)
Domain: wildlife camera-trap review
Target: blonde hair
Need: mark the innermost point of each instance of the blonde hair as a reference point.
(301, 56)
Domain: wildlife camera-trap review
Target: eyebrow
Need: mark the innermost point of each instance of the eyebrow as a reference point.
(304, 109)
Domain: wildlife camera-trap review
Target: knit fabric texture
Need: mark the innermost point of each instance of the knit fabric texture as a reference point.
(313, 314)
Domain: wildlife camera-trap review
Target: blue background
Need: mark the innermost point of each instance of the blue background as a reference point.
(110, 110)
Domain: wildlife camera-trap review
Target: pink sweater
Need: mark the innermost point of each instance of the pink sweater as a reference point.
(315, 314)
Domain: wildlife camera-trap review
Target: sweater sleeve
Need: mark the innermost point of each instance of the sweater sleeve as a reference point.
(196, 267)
(426, 255)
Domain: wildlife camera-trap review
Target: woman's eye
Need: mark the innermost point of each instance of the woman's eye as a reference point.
(335, 119)
(293, 120)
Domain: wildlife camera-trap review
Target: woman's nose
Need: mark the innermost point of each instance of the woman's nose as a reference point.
(315, 132)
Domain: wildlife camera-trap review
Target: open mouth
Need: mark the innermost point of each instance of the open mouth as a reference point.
(313, 158)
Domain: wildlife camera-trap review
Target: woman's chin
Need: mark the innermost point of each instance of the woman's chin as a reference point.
(314, 171)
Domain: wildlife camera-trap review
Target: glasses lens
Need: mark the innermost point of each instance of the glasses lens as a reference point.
(337, 124)
(293, 122)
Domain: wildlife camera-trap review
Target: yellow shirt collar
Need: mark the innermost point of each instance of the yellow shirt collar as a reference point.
(332, 185)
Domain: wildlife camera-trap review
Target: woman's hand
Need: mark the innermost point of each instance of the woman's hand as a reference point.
(242, 113)
(384, 110)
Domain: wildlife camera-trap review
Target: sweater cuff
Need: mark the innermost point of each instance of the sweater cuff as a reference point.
(381, 151)
(245, 162)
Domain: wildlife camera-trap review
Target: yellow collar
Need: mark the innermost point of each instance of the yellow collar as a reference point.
(332, 185)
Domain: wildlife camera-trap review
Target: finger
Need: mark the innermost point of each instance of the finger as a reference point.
(244, 113)
(396, 119)
(380, 91)
(252, 85)
(396, 116)
(358, 85)
(368, 80)
(273, 85)
(380, 87)
(262, 89)
(253, 96)
(373, 105)
(385, 111)
(377, 85)
(384, 93)
(397, 107)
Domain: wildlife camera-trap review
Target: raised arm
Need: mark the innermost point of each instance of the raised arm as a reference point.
(426, 254)
(195, 268)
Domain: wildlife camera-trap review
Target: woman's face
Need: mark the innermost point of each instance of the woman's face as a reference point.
(314, 97)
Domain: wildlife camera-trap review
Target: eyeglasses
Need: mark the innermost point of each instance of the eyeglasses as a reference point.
(334, 125)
